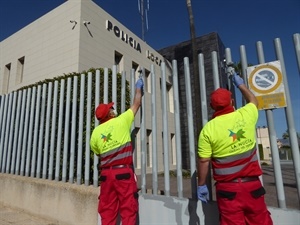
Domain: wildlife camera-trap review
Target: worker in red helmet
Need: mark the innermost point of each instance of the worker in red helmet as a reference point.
(111, 141)
(228, 141)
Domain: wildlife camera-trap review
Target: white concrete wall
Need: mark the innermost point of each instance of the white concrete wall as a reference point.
(161, 210)
(67, 203)
(72, 204)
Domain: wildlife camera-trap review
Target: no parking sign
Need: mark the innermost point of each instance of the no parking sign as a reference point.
(265, 81)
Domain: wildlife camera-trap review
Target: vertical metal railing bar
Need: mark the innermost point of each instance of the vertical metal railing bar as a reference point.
(229, 63)
(216, 77)
(215, 70)
(3, 146)
(114, 86)
(133, 131)
(216, 80)
(202, 88)
(21, 133)
(88, 129)
(35, 132)
(47, 131)
(73, 130)
(59, 130)
(289, 116)
(10, 149)
(5, 160)
(41, 132)
(3, 124)
(204, 105)
(30, 132)
(177, 129)
(2, 128)
(123, 92)
(296, 38)
(189, 107)
(273, 141)
(66, 147)
(96, 123)
(166, 137)
(142, 133)
(105, 86)
(16, 131)
(244, 64)
(53, 130)
(154, 132)
(2, 98)
(229, 74)
(80, 130)
(105, 91)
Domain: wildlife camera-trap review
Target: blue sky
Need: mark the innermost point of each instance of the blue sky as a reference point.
(237, 23)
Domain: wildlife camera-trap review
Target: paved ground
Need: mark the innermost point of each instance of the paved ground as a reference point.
(289, 184)
(10, 216)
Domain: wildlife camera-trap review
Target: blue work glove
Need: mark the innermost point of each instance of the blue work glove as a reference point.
(139, 83)
(237, 80)
(203, 194)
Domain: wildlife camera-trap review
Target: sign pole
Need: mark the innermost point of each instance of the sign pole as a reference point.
(273, 142)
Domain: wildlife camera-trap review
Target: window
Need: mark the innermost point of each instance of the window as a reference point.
(148, 148)
(173, 149)
(6, 77)
(169, 96)
(135, 66)
(119, 62)
(147, 81)
(20, 70)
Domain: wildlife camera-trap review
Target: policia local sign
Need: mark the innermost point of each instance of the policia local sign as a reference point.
(265, 81)
(131, 41)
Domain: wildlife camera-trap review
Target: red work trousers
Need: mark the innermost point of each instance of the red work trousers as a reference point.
(118, 194)
(242, 203)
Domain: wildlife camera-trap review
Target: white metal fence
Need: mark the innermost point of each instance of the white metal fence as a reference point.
(45, 129)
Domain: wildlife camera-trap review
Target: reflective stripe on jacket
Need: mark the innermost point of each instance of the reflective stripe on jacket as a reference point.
(235, 166)
(119, 156)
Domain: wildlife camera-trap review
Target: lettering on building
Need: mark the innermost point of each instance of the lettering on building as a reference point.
(123, 36)
(153, 58)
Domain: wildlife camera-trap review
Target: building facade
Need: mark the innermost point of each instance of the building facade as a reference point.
(79, 35)
(74, 37)
(263, 139)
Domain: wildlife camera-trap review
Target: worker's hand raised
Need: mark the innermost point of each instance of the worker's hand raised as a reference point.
(202, 193)
(139, 83)
(237, 80)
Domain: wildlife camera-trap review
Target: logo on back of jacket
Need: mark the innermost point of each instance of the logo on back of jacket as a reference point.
(106, 137)
(237, 135)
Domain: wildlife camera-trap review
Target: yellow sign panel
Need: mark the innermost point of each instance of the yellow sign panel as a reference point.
(271, 101)
(265, 81)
